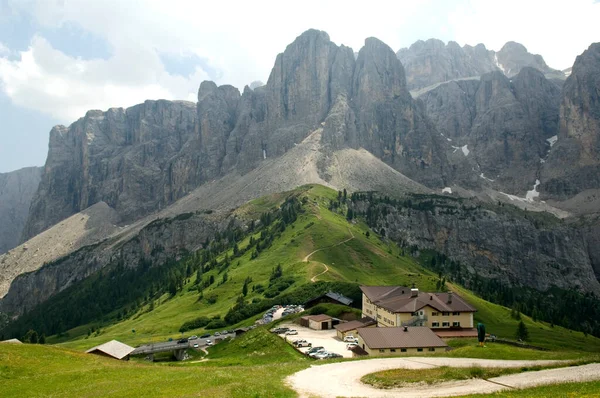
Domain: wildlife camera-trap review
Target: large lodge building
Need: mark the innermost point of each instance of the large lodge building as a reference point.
(396, 306)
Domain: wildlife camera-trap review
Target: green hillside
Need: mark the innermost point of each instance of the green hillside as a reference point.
(317, 249)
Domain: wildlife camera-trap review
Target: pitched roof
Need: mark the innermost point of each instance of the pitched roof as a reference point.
(399, 299)
(12, 341)
(413, 337)
(114, 348)
(318, 318)
(346, 326)
(339, 297)
(447, 333)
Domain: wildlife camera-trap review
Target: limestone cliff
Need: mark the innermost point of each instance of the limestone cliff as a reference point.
(16, 192)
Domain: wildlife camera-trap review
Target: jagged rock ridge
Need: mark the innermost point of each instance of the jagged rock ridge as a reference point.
(140, 159)
(432, 61)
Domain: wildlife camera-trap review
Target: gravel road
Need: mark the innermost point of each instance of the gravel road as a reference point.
(343, 379)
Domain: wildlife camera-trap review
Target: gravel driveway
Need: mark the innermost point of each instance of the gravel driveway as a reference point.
(343, 379)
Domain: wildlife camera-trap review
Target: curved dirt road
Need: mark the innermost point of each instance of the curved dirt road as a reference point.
(305, 259)
(343, 379)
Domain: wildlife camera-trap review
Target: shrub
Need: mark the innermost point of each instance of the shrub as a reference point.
(194, 324)
(216, 324)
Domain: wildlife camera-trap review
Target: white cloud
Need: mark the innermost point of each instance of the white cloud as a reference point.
(239, 40)
(47, 80)
(3, 49)
(558, 30)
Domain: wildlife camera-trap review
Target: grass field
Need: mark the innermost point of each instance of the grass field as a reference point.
(565, 390)
(251, 366)
(396, 378)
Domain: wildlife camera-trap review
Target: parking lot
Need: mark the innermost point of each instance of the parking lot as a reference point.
(323, 338)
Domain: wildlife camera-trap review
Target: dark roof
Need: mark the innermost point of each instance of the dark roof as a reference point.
(413, 337)
(318, 318)
(335, 296)
(346, 326)
(399, 299)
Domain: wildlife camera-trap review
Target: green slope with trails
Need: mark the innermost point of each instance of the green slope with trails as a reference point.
(320, 245)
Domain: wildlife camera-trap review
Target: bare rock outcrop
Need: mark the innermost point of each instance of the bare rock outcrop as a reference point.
(17, 189)
(573, 165)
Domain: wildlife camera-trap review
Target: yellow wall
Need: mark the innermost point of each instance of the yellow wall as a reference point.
(398, 351)
(386, 318)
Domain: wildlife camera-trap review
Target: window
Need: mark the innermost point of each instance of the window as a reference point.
(420, 312)
(414, 314)
(445, 313)
(392, 350)
(381, 350)
(446, 324)
(419, 350)
(431, 349)
(456, 324)
(378, 316)
(402, 349)
(434, 314)
(456, 313)
(435, 324)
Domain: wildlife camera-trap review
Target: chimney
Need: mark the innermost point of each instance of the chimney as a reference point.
(406, 328)
(414, 292)
(449, 297)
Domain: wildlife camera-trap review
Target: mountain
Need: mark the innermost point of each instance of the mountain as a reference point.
(141, 159)
(497, 127)
(17, 189)
(430, 62)
(574, 160)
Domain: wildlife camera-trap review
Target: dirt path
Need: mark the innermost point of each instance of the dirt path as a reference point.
(305, 259)
(343, 379)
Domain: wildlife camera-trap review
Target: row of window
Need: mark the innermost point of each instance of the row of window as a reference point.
(404, 349)
(444, 313)
(444, 324)
(388, 321)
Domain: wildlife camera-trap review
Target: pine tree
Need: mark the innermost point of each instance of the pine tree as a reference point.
(522, 332)
(245, 289)
(42, 339)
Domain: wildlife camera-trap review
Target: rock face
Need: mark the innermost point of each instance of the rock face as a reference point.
(16, 191)
(143, 158)
(429, 62)
(128, 158)
(573, 165)
(162, 239)
(498, 244)
(498, 128)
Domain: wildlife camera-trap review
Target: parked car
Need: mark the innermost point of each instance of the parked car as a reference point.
(192, 337)
(350, 346)
(314, 354)
(350, 339)
(209, 342)
(304, 344)
(224, 332)
(292, 332)
(196, 345)
(321, 355)
(217, 334)
(205, 336)
(296, 342)
(181, 341)
(314, 349)
(334, 355)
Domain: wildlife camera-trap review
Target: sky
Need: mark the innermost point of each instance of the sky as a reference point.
(60, 58)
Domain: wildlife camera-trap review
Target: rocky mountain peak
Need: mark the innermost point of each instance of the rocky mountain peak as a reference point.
(574, 160)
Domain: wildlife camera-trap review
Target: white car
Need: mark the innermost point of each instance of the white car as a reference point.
(320, 352)
(195, 345)
(209, 342)
(321, 355)
(350, 339)
(291, 332)
(350, 346)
